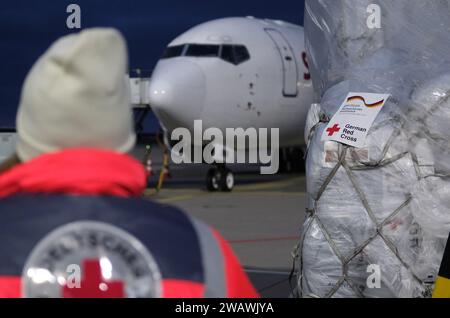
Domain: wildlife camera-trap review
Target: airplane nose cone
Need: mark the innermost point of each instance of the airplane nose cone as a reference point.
(177, 93)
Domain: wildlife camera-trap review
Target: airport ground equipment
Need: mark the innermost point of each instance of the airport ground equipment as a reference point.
(8, 140)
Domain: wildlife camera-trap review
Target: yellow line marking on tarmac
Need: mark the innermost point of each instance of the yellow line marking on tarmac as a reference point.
(260, 193)
(186, 197)
(176, 195)
(272, 193)
(267, 185)
(176, 198)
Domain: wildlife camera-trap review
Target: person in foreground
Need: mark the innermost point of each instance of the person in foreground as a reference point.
(73, 223)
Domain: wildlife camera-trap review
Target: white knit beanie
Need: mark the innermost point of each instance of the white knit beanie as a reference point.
(76, 96)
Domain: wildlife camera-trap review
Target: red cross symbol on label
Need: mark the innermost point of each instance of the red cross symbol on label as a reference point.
(93, 285)
(333, 130)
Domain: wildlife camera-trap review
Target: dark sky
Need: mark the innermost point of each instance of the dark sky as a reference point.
(28, 27)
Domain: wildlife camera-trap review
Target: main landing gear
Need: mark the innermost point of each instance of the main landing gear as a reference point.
(220, 178)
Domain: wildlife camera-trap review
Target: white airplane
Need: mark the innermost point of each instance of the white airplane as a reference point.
(8, 140)
(235, 72)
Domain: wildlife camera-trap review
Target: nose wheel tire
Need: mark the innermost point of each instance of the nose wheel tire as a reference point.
(212, 180)
(226, 181)
(220, 179)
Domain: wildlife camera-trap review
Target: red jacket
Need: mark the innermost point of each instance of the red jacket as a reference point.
(49, 191)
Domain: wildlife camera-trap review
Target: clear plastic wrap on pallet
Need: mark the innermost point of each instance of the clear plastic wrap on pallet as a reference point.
(369, 193)
(376, 38)
(385, 204)
(429, 119)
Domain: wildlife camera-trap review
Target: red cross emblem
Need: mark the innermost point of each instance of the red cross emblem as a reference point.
(333, 130)
(394, 224)
(93, 285)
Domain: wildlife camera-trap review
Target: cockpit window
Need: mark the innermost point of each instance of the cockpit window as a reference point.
(235, 54)
(173, 51)
(202, 50)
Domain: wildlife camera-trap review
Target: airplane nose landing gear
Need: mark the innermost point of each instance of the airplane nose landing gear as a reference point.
(220, 178)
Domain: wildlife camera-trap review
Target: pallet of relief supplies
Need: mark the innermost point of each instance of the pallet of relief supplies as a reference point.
(379, 211)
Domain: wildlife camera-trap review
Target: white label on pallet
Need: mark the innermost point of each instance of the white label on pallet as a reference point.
(352, 121)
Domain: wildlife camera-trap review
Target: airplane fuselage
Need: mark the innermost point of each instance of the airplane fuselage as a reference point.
(235, 72)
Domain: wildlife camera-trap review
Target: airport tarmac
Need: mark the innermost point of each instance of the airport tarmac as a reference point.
(261, 217)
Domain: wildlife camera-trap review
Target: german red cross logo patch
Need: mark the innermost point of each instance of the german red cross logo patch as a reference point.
(91, 260)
